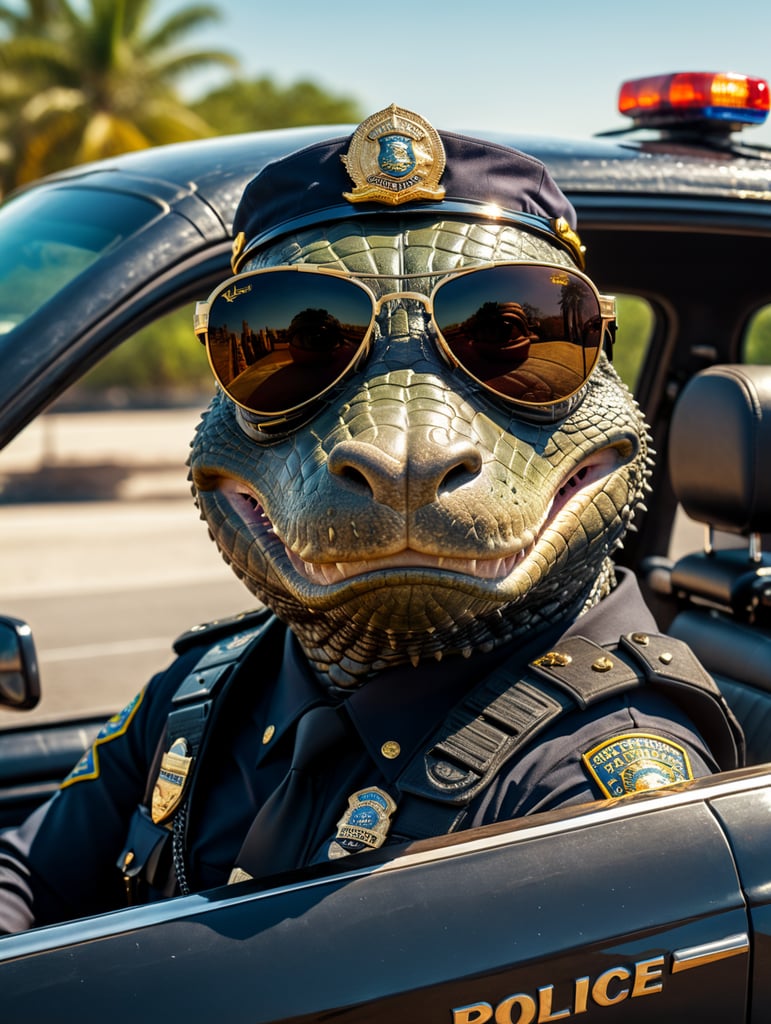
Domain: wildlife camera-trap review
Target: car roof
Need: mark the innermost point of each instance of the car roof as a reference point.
(635, 163)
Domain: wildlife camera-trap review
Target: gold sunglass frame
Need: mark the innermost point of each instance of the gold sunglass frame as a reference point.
(606, 306)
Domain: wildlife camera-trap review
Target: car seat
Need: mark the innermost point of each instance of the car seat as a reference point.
(720, 457)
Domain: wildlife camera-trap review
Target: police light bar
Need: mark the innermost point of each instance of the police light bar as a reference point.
(707, 99)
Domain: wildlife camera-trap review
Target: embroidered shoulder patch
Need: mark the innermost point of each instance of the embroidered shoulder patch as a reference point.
(636, 761)
(88, 766)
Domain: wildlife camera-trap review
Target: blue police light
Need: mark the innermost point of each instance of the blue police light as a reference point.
(719, 100)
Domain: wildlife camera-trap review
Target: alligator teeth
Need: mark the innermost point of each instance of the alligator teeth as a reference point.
(327, 573)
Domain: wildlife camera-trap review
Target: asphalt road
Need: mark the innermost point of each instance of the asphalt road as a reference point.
(109, 590)
(106, 585)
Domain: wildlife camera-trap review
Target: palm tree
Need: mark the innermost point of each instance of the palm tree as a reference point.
(86, 82)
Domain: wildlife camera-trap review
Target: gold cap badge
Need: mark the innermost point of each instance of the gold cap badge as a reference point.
(395, 156)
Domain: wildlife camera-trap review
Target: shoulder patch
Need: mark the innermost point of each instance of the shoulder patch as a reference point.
(636, 761)
(88, 766)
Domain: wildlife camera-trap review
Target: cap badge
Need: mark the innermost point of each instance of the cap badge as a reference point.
(395, 157)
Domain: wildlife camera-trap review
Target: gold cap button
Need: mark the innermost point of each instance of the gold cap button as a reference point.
(603, 664)
(390, 749)
(267, 736)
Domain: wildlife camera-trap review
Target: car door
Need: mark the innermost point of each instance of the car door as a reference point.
(631, 911)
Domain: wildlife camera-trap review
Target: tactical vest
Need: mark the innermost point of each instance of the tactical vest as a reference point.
(494, 723)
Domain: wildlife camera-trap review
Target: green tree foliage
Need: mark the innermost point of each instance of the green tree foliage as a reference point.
(247, 106)
(636, 323)
(757, 341)
(163, 363)
(79, 83)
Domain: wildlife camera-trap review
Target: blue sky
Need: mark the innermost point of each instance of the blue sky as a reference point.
(551, 67)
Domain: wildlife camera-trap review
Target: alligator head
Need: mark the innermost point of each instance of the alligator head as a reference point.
(409, 512)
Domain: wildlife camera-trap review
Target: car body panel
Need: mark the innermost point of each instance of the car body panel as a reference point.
(382, 941)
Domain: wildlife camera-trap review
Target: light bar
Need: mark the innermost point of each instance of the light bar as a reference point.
(719, 99)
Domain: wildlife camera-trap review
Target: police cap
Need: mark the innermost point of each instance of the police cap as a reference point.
(397, 161)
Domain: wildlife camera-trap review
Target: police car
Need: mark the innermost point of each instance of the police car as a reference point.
(652, 907)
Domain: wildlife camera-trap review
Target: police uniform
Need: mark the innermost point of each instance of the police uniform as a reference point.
(62, 862)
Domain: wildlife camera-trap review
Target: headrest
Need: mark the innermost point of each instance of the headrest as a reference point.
(396, 162)
(720, 447)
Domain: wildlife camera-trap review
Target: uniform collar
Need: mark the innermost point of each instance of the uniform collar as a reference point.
(623, 609)
(404, 706)
(295, 689)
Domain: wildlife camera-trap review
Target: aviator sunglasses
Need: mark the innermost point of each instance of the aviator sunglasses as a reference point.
(280, 338)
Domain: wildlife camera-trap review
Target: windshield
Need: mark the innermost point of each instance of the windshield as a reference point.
(49, 236)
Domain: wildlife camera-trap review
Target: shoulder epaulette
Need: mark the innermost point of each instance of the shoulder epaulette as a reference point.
(505, 713)
(209, 632)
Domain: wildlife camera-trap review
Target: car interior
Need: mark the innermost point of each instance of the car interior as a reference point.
(720, 596)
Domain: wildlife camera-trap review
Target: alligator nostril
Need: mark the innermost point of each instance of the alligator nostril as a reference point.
(462, 471)
(405, 479)
(370, 470)
(353, 476)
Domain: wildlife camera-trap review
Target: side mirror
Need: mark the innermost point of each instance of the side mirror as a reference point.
(19, 673)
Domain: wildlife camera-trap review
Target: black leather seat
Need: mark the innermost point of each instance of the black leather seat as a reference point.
(720, 467)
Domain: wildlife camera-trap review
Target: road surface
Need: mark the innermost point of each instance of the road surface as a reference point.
(106, 585)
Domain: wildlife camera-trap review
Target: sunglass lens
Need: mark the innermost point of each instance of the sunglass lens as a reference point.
(278, 340)
(530, 333)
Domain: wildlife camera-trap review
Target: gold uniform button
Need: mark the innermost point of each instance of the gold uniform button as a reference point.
(390, 749)
(553, 659)
(267, 736)
(603, 664)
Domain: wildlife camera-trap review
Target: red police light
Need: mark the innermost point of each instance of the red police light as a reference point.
(719, 99)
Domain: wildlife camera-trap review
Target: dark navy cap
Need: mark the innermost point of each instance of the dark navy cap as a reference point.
(398, 163)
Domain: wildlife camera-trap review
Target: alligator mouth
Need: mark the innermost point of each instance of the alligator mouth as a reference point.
(585, 478)
(327, 573)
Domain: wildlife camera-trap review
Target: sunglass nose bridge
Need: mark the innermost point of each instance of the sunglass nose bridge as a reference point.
(397, 323)
(403, 318)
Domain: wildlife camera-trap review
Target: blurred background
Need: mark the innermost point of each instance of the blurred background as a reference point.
(95, 491)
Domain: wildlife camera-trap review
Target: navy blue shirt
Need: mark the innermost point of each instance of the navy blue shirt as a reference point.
(61, 863)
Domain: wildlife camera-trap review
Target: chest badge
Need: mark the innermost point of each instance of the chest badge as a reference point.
(395, 156)
(365, 823)
(636, 761)
(170, 784)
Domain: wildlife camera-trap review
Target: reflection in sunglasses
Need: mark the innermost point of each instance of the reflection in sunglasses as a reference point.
(529, 353)
(272, 369)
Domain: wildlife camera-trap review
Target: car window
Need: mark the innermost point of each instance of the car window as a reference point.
(48, 237)
(636, 324)
(163, 364)
(756, 343)
(122, 563)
